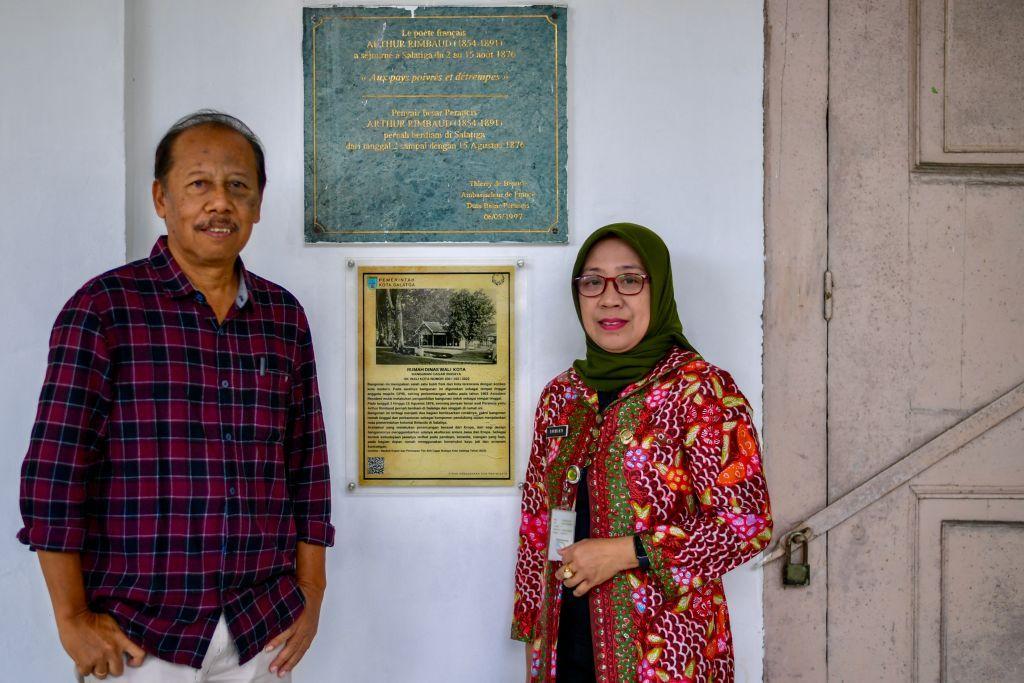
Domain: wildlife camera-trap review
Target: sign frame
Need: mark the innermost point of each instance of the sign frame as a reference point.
(398, 214)
(410, 278)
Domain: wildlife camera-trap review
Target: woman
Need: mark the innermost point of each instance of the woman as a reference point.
(655, 451)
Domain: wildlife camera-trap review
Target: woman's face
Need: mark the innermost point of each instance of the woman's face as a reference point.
(614, 321)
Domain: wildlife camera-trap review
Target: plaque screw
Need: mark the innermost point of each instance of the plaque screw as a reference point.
(351, 263)
(520, 263)
(351, 486)
(520, 486)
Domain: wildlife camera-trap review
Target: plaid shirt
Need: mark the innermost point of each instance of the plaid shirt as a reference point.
(182, 458)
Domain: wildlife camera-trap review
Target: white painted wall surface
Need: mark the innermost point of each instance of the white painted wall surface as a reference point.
(62, 167)
(664, 129)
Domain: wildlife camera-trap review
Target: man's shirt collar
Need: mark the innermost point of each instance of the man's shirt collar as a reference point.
(177, 284)
(243, 289)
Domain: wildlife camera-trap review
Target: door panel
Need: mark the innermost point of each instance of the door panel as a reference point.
(924, 235)
(936, 301)
(967, 83)
(927, 327)
(982, 620)
(870, 623)
(795, 334)
(927, 275)
(868, 237)
(970, 595)
(993, 323)
(983, 90)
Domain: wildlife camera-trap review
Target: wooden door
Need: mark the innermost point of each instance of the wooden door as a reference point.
(895, 172)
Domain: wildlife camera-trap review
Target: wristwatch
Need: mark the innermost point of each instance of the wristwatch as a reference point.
(641, 554)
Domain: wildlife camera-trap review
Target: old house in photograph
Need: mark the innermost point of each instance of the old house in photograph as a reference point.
(431, 334)
(431, 338)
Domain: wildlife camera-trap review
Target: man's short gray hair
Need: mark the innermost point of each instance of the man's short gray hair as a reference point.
(207, 117)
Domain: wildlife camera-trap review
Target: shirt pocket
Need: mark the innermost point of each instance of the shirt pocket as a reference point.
(267, 386)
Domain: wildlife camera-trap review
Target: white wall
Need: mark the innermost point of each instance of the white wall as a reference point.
(62, 167)
(664, 129)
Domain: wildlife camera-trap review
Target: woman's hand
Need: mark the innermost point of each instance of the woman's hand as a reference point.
(593, 561)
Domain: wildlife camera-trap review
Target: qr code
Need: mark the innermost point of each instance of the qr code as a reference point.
(375, 464)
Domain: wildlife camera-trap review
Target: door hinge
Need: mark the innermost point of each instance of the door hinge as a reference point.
(828, 295)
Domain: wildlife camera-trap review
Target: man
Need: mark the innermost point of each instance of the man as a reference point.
(176, 484)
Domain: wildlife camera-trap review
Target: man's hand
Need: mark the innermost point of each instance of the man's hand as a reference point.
(299, 636)
(94, 641)
(97, 644)
(593, 561)
(311, 575)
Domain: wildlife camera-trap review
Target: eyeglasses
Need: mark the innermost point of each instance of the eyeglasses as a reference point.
(627, 284)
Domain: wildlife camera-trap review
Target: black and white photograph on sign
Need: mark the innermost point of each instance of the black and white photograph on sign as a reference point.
(435, 326)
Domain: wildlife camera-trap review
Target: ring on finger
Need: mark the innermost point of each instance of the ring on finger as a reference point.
(567, 572)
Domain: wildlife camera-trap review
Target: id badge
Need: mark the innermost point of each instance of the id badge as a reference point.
(563, 531)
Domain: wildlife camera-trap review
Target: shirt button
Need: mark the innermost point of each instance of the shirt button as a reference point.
(220, 330)
(200, 298)
(227, 436)
(599, 419)
(224, 383)
(231, 490)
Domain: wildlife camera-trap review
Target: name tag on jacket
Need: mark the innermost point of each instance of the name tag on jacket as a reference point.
(556, 430)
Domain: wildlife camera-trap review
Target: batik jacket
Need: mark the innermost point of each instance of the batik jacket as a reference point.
(674, 459)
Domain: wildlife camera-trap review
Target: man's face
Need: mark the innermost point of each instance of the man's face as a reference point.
(210, 198)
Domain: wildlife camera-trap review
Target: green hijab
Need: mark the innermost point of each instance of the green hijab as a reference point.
(605, 371)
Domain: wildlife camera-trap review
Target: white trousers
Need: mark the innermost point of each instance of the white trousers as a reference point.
(219, 666)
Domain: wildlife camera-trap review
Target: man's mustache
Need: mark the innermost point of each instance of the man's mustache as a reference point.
(217, 223)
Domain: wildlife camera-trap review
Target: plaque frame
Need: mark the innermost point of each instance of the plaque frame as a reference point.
(551, 230)
(520, 414)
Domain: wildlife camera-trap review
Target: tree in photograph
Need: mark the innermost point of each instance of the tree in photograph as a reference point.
(469, 314)
(422, 305)
(385, 318)
(390, 303)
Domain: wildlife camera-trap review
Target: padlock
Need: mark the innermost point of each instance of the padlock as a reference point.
(796, 573)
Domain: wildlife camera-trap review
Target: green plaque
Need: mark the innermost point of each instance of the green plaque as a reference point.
(439, 124)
